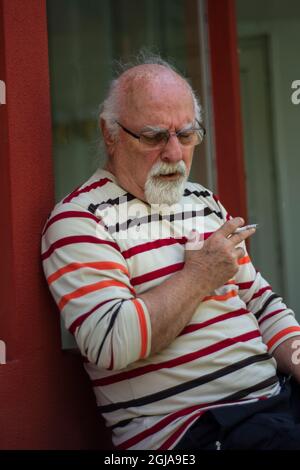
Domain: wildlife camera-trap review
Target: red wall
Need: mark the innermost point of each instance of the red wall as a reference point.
(46, 400)
(227, 105)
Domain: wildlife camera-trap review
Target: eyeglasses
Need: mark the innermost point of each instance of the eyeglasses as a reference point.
(158, 139)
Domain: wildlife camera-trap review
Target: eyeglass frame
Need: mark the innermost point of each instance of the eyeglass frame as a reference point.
(138, 136)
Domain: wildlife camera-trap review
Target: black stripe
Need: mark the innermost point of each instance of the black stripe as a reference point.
(187, 385)
(99, 320)
(204, 193)
(208, 211)
(254, 388)
(111, 324)
(230, 398)
(267, 302)
(111, 202)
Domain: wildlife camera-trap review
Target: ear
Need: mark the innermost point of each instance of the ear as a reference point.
(107, 137)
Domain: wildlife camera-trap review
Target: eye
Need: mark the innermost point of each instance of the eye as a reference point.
(153, 138)
(186, 137)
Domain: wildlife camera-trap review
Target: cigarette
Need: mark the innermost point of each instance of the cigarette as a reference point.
(246, 227)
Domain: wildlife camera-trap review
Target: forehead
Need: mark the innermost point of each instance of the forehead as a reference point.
(159, 98)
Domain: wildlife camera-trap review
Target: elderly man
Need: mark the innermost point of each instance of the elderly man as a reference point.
(181, 336)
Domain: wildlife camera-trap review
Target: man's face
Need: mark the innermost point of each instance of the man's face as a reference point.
(164, 103)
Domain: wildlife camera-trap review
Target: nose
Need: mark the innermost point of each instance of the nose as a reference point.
(172, 151)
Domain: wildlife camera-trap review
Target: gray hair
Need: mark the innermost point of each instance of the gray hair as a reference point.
(109, 108)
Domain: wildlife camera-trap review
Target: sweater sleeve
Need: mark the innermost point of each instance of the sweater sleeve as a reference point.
(276, 321)
(89, 280)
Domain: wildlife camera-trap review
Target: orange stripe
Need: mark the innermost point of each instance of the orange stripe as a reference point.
(231, 293)
(95, 264)
(90, 288)
(143, 328)
(282, 333)
(244, 260)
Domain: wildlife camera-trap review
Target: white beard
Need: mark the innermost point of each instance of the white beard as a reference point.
(158, 191)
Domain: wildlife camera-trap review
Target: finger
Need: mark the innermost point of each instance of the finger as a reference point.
(240, 237)
(230, 226)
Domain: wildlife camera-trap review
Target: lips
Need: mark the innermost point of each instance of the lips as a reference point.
(169, 175)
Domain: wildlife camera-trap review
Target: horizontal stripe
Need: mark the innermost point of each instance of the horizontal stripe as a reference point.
(260, 292)
(117, 201)
(228, 295)
(154, 217)
(153, 245)
(169, 442)
(170, 418)
(76, 239)
(177, 361)
(272, 297)
(195, 383)
(90, 288)
(98, 265)
(143, 328)
(172, 268)
(270, 315)
(245, 285)
(188, 192)
(179, 432)
(86, 189)
(281, 334)
(216, 319)
(70, 214)
(244, 260)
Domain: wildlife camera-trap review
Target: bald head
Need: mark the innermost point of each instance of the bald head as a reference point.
(142, 87)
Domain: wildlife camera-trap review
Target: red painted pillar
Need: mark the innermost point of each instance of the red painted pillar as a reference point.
(227, 105)
(45, 395)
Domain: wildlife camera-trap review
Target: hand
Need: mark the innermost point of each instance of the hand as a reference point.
(215, 261)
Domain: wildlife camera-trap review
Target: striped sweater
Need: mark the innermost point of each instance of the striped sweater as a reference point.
(102, 248)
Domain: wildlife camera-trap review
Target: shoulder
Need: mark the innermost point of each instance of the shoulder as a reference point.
(203, 194)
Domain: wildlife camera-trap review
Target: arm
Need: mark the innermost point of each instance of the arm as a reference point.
(276, 321)
(287, 357)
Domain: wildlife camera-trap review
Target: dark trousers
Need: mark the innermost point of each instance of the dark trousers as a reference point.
(272, 424)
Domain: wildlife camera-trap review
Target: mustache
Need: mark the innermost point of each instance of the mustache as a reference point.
(167, 169)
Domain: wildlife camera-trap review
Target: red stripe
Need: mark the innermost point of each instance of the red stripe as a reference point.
(259, 293)
(153, 245)
(167, 444)
(86, 189)
(80, 320)
(67, 214)
(245, 285)
(76, 239)
(219, 318)
(177, 361)
(281, 334)
(156, 274)
(270, 315)
(143, 328)
(158, 426)
(171, 418)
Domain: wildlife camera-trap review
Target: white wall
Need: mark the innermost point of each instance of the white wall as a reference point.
(283, 30)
